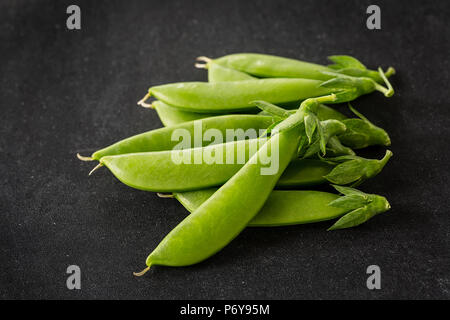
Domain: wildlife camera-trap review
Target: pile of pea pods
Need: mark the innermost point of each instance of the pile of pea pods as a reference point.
(288, 103)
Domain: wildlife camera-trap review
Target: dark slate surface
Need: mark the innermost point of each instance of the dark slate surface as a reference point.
(64, 92)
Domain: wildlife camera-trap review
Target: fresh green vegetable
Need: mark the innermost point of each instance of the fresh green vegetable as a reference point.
(234, 96)
(166, 138)
(267, 66)
(224, 215)
(290, 207)
(156, 171)
(171, 116)
(216, 73)
(283, 207)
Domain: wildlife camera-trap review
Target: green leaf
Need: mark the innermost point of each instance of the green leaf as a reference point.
(351, 219)
(339, 82)
(344, 61)
(270, 128)
(349, 202)
(349, 191)
(356, 170)
(326, 130)
(336, 148)
(362, 133)
(302, 146)
(271, 109)
(345, 173)
(310, 126)
(377, 204)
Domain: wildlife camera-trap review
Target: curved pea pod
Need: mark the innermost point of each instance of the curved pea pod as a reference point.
(263, 65)
(228, 211)
(362, 133)
(234, 96)
(216, 73)
(157, 171)
(171, 116)
(168, 138)
(181, 170)
(282, 208)
(354, 170)
(363, 207)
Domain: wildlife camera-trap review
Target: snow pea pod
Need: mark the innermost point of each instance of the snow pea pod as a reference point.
(289, 207)
(282, 208)
(216, 73)
(161, 139)
(171, 116)
(268, 66)
(157, 171)
(234, 96)
(224, 215)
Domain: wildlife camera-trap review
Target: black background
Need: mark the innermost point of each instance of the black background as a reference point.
(64, 92)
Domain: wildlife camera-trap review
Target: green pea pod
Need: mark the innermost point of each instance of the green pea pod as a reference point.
(234, 96)
(216, 73)
(171, 116)
(167, 138)
(364, 206)
(228, 211)
(354, 170)
(262, 65)
(362, 133)
(282, 208)
(157, 171)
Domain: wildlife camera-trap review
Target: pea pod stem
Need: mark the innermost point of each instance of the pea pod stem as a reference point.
(83, 158)
(142, 102)
(164, 195)
(95, 168)
(141, 273)
(389, 72)
(387, 92)
(202, 65)
(269, 66)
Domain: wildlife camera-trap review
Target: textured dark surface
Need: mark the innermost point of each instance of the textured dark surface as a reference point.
(64, 92)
